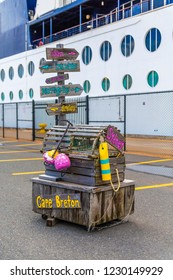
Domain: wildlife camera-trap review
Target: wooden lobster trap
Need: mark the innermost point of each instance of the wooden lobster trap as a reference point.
(81, 144)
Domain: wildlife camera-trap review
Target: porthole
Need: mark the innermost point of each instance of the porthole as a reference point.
(127, 45)
(2, 75)
(11, 73)
(105, 84)
(31, 93)
(87, 86)
(86, 55)
(153, 78)
(20, 71)
(20, 94)
(153, 39)
(31, 68)
(2, 96)
(106, 50)
(127, 81)
(11, 95)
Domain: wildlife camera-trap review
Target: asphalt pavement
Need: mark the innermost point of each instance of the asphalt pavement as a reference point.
(146, 234)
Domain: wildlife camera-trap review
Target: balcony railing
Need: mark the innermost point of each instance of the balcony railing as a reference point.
(127, 10)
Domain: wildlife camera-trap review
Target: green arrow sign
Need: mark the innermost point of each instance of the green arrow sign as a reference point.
(61, 90)
(60, 66)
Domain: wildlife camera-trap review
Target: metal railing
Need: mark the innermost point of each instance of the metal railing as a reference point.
(129, 9)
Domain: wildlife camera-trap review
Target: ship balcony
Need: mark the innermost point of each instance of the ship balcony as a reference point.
(121, 12)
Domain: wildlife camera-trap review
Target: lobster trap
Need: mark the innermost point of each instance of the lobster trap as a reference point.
(81, 144)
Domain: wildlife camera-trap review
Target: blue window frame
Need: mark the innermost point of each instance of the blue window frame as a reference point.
(86, 55)
(105, 50)
(153, 39)
(127, 45)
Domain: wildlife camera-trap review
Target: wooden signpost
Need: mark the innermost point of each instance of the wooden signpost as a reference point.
(61, 60)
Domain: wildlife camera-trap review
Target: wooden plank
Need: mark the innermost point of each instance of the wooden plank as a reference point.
(60, 66)
(129, 200)
(59, 78)
(82, 179)
(61, 53)
(62, 108)
(61, 90)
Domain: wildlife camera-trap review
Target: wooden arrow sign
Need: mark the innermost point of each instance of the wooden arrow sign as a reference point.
(59, 78)
(61, 108)
(61, 90)
(60, 66)
(60, 54)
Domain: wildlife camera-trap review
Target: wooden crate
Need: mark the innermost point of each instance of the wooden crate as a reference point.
(99, 205)
(86, 170)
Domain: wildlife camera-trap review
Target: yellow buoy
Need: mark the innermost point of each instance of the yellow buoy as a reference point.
(104, 162)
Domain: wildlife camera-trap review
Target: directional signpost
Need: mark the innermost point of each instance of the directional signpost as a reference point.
(60, 60)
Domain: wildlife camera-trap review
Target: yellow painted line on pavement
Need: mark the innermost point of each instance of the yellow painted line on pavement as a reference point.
(154, 186)
(28, 173)
(34, 144)
(150, 161)
(19, 159)
(13, 152)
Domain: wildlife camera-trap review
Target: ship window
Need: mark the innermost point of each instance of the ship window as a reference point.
(20, 71)
(2, 96)
(86, 55)
(11, 95)
(153, 39)
(11, 73)
(31, 68)
(106, 50)
(153, 78)
(31, 93)
(127, 45)
(20, 94)
(2, 75)
(105, 84)
(158, 3)
(127, 81)
(87, 86)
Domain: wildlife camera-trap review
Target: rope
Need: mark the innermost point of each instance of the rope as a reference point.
(118, 177)
(115, 191)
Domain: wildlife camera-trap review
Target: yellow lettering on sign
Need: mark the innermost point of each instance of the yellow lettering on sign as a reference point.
(67, 203)
(68, 108)
(43, 202)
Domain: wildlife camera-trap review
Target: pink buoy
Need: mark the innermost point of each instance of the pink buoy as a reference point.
(61, 162)
(49, 158)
